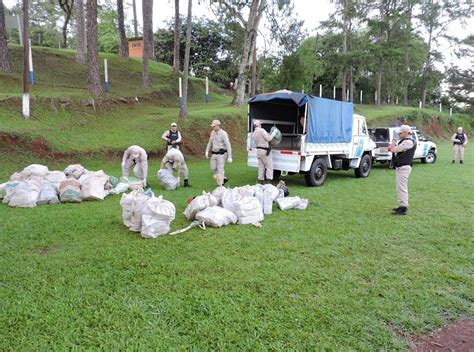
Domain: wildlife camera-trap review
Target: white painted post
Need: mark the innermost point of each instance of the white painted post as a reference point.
(450, 112)
(388, 100)
(106, 73)
(376, 97)
(32, 72)
(419, 104)
(320, 90)
(207, 91)
(396, 101)
(440, 107)
(180, 88)
(19, 30)
(361, 96)
(334, 92)
(26, 105)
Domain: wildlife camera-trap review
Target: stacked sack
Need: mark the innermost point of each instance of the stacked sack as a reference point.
(36, 185)
(143, 212)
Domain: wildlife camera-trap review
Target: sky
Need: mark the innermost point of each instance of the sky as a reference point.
(311, 11)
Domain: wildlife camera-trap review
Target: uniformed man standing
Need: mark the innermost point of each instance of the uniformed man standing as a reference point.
(403, 152)
(172, 137)
(174, 159)
(219, 150)
(459, 140)
(137, 157)
(261, 138)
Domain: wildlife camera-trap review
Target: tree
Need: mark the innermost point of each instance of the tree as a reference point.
(67, 7)
(121, 29)
(4, 60)
(147, 7)
(183, 111)
(176, 37)
(93, 78)
(109, 37)
(80, 32)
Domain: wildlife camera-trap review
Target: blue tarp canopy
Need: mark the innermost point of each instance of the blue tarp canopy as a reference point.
(328, 121)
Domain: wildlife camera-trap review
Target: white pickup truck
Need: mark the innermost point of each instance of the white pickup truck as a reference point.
(317, 134)
(426, 151)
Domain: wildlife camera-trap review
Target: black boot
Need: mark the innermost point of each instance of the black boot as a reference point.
(401, 211)
(225, 180)
(395, 209)
(454, 161)
(186, 183)
(461, 161)
(260, 182)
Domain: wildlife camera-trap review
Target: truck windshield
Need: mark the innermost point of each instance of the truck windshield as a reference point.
(379, 134)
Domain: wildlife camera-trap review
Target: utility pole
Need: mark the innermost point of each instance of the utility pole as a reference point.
(26, 66)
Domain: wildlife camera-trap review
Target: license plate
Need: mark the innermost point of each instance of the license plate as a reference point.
(383, 149)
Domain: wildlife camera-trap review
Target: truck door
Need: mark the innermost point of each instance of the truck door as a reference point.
(359, 138)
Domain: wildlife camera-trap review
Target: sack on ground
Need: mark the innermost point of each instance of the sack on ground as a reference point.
(246, 191)
(48, 194)
(35, 170)
(216, 217)
(167, 179)
(268, 201)
(126, 203)
(74, 171)
(292, 203)
(93, 185)
(70, 191)
(9, 188)
(120, 188)
(218, 193)
(273, 191)
(229, 198)
(138, 205)
(113, 181)
(248, 210)
(259, 189)
(157, 217)
(55, 178)
(199, 203)
(25, 195)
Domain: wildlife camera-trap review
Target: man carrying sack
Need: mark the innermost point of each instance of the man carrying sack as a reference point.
(220, 150)
(403, 152)
(261, 138)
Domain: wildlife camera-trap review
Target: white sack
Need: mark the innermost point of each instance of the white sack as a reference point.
(70, 191)
(218, 193)
(18, 177)
(25, 195)
(138, 205)
(199, 203)
(292, 203)
(259, 189)
(120, 188)
(268, 201)
(273, 191)
(216, 216)
(55, 178)
(93, 185)
(248, 210)
(157, 217)
(75, 171)
(246, 191)
(48, 194)
(35, 170)
(126, 203)
(229, 198)
(167, 179)
(9, 188)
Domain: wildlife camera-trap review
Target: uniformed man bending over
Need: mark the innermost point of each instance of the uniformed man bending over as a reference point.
(403, 152)
(175, 159)
(219, 150)
(136, 156)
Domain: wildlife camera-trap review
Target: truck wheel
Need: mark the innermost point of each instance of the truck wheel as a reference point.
(364, 167)
(276, 175)
(430, 158)
(316, 176)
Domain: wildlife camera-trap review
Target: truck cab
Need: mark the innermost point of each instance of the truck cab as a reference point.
(426, 150)
(317, 135)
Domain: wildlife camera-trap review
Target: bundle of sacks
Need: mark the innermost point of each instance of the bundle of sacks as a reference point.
(240, 205)
(36, 185)
(143, 212)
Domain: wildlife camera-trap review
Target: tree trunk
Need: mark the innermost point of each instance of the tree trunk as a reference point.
(253, 87)
(379, 82)
(407, 55)
(351, 84)
(427, 68)
(183, 111)
(67, 17)
(135, 21)
(147, 12)
(4, 60)
(93, 78)
(256, 11)
(80, 32)
(344, 51)
(123, 50)
(176, 37)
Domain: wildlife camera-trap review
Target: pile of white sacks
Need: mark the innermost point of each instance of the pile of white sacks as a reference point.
(36, 185)
(152, 216)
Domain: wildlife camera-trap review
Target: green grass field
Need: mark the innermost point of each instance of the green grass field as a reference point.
(342, 275)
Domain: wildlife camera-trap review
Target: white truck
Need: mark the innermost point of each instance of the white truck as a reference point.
(317, 134)
(426, 150)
